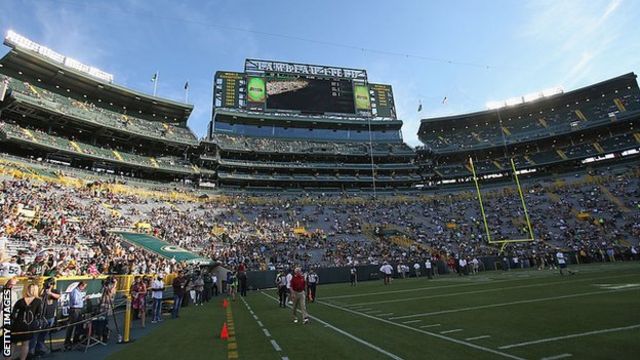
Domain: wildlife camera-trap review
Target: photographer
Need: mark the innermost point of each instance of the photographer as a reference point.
(50, 296)
(109, 289)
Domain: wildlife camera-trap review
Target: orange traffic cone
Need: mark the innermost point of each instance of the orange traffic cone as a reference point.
(224, 334)
(225, 303)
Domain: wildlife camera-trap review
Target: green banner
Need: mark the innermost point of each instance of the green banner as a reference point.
(363, 101)
(256, 90)
(161, 247)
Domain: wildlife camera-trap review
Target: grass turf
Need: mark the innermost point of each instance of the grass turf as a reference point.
(489, 316)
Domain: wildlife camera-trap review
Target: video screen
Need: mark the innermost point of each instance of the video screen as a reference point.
(310, 95)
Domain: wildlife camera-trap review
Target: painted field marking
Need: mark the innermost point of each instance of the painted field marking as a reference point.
(411, 321)
(373, 311)
(481, 291)
(266, 332)
(478, 281)
(571, 336)
(349, 335)
(440, 336)
(428, 326)
(275, 345)
(260, 323)
(555, 357)
(478, 337)
(255, 317)
(450, 331)
(470, 308)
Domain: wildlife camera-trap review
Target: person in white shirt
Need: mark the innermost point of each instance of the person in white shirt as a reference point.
(401, 270)
(562, 263)
(214, 278)
(387, 270)
(427, 266)
(416, 269)
(475, 265)
(10, 268)
(289, 277)
(157, 288)
(462, 266)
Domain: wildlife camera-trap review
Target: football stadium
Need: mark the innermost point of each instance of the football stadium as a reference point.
(306, 221)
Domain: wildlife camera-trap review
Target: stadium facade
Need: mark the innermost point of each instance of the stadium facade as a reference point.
(299, 126)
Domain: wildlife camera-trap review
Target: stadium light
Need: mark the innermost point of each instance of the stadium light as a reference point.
(22, 42)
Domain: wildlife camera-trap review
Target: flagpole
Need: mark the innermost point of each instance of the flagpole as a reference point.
(155, 83)
(186, 93)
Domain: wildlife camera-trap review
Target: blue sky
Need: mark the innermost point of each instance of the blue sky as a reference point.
(470, 51)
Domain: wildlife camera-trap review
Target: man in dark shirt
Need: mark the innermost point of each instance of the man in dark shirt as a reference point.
(179, 290)
(50, 296)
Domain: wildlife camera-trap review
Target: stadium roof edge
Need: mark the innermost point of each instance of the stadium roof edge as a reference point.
(30, 62)
(627, 76)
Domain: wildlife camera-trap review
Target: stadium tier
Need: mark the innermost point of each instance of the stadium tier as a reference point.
(54, 112)
(594, 123)
(288, 129)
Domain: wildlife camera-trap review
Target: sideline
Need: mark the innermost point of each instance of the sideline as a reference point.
(266, 332)
(460, 342)
(349, 335)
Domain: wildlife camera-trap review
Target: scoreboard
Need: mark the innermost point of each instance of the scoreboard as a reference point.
(312, 90)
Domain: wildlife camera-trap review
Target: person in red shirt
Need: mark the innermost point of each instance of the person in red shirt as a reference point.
(298, 295)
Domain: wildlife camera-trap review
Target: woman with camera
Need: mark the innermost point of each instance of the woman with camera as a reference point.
(25, 317)
(50, 297)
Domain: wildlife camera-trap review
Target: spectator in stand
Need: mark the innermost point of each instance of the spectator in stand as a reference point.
(297, 291)
(157, 290)
(179, 291)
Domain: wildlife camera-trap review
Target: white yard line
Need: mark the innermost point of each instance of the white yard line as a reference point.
(275, 345)
(450, 331)
(478, 337)
(266, 332)
(480, 291)
(442, 337)
(528, 301)
(571, 336)
(349, 335)
(429, 326)
(555, 357)
(411, 321)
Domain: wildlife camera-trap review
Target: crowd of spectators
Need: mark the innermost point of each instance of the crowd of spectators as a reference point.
(49, 229)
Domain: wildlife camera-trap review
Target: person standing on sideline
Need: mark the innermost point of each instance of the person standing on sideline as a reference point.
(462, 266)
(242, 278)
(401, 270)
(179, 290)
(427, 266)
(76, 305)
(562, 263)
(289, 277)
(281, 284)
(297, 291)
(214, 280)
(416, 269)
(387, 270)
(24, 312)
(313, 285)
(157, 288)
(353, 276)
(207, 287)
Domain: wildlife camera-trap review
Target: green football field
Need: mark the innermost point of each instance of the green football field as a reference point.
(522, 314)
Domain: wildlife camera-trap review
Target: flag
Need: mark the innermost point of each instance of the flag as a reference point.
(420, 106)
(186, 85)
(155, 77)
(444, 101)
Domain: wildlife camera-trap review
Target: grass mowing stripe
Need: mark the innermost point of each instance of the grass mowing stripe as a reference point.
(349, 335)
(470, 308)
(571, 336)
(487, 290)
(442, 337)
